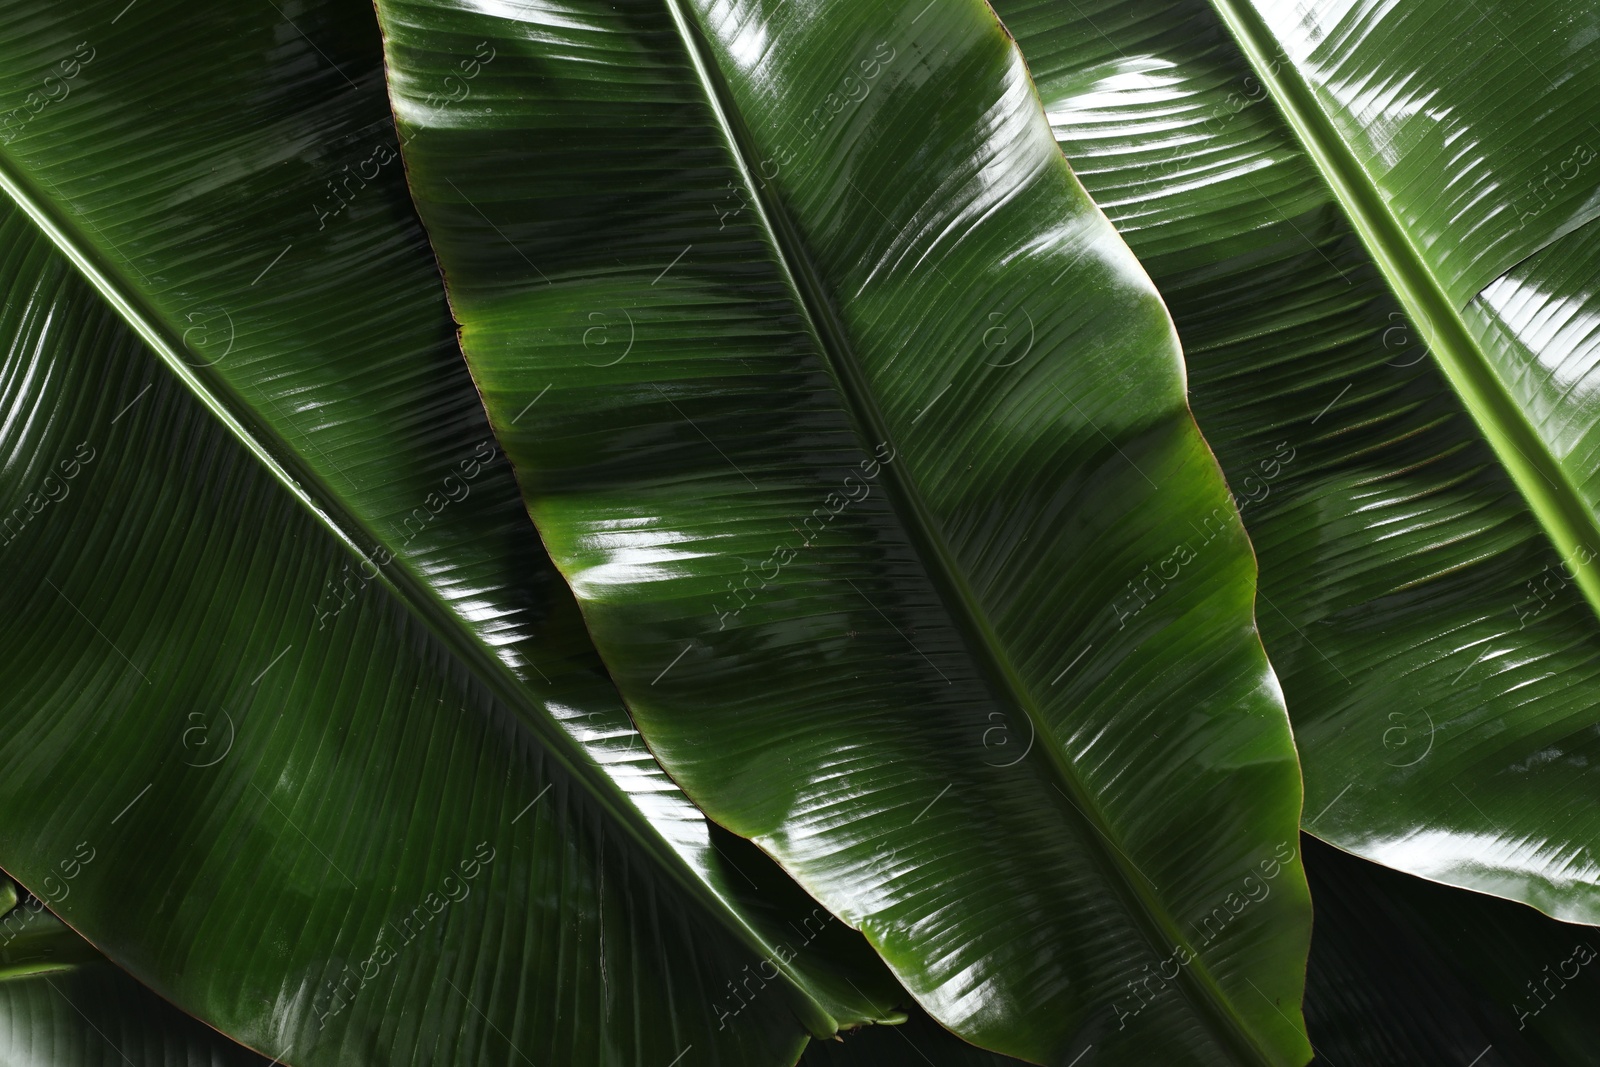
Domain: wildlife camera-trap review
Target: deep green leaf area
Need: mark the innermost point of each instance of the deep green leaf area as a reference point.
(1436, 657)
(232, 178)
(322, 835)
(63, 1005)
(854, 426)
(95, 1016)
(234, 170)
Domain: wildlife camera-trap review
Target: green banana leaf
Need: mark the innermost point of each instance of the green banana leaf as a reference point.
(383, 859)
(95, 1016)
(62, 1004)
(862, 441)
(1403, 972)
(1321, 222)
(920, 1042)
(316, 408)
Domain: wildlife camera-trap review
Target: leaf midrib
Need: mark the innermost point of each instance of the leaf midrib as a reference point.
(830, 337)
(1567, 520)
(295, 475)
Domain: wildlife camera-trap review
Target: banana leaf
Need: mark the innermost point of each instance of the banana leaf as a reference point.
(919, 1042)
(1390, 364)
(62, 1004)
(279, 618)
(863, 444)
(1403, 972)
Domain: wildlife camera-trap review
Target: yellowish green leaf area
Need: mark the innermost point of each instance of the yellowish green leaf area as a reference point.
(303, 730)
(862, 441)
(1374, 226)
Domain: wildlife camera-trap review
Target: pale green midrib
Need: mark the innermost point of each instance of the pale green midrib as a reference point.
(814, 308)
(410, 590)
(1567, 520)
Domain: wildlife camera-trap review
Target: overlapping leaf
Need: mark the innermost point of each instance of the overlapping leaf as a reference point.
(337, 368)
(1410, 477)
(369, 860)
(63, 1005)
(862, 441)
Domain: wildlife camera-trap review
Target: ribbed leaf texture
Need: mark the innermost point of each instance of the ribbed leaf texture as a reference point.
(1318, 219)
(862, 441)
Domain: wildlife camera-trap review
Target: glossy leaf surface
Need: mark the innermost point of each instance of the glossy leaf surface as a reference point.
(1403, 972)
(862, 441)
(338, 370)
(62, 1004)
(96, 1016)
(352, 850)
(1438, 662)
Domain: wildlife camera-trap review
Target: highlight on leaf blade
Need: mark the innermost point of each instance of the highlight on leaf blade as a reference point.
(767, 310)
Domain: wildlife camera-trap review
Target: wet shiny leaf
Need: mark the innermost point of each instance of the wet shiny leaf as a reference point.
(286, 645)
(1386, 303)
(862, 441)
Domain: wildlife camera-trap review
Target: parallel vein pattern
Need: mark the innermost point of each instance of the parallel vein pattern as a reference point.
(1437, 659)
(243, 207)
(352, 850)
(862, 441)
